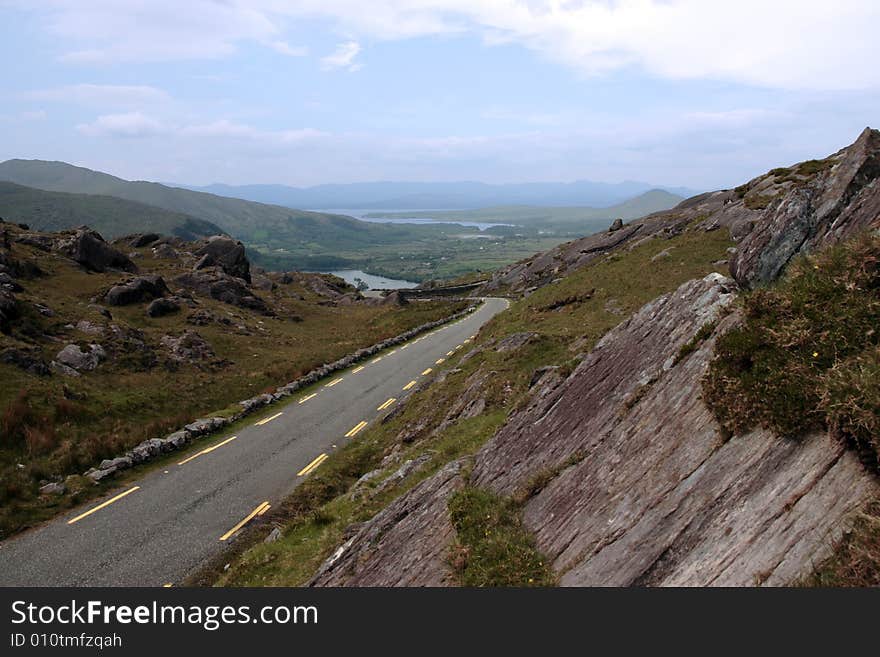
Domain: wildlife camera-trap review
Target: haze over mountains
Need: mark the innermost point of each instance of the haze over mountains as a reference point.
(440, 195)
(55, 195)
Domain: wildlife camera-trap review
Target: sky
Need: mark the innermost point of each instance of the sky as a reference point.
(698, 93)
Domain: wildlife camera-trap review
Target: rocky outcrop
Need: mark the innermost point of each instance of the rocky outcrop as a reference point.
(81, 360)
(162, 307)
(136, 290)
(189, 347)
(415, 528)
(639, 485)
(772, 218)
(226, 253)
(217, 284)
(29, 359)
(839, 200)
(89, 249)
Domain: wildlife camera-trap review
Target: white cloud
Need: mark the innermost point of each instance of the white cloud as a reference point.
(102, 96)
(131, 124)
(808, 44)
(343, 57)
(286, 49)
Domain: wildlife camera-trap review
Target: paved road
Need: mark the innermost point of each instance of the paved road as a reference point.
(158, 529)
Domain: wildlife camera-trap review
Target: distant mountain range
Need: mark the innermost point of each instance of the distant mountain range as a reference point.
(440, 196)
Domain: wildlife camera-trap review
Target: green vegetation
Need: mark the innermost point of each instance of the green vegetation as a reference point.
(812, 167)
(493, 547)
(56, 425)
(314, 519)
(856, 559)
(808, 353)
(758, 201)
(112, 217)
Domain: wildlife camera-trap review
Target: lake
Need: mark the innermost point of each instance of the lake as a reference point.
(361, 215)
(375, 282)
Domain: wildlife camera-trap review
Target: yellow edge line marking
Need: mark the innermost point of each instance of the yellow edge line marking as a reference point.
(409, 385)
(387, 404)
(439, 361)
(166, 586)
(458, 346)
(450, 352)
(356, 428)
(269, 419)
(427, 371)
(333, 382)
(305, 399)
(405, 346)
(391, 353)
(265, 508)
(318, 460)
(357, 369)
(246, 520)
(376, 360)
(206, 451)
(103, 504)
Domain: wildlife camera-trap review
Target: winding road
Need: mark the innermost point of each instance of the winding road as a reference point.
(156, 530)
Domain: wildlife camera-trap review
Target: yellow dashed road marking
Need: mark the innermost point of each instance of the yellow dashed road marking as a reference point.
(206, 451)
(103, 504)
(387, 404)
(333, 382)
(305, 399)
(427, 372)
(357, 369)
(260, 510)
(409, 385)
(311, 466)
(268, 419)
(354, 430)
(439, 361)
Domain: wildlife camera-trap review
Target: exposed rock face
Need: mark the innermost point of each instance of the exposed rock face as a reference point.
(227, 254)
(645, 489)
(838, 202)
(144, 239)
(415, 529)
(89, 249)
(217, 284)
(136, 290)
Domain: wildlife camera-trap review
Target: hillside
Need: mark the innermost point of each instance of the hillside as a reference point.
(690, 399)
(106, 344)
(113, 217)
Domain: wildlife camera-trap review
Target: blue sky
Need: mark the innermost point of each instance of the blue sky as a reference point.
(702, 93)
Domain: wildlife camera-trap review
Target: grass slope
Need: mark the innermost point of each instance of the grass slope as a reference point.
(110, 216)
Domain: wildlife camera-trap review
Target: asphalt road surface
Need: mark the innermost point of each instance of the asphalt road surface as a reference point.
(156, 530)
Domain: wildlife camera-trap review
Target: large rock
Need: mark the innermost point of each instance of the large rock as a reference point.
(162, 307)
(227, 254)
(406, 544)
(89, 249)
(79, 359)
(839, 201)
(217, 284)
(30, 360)
(188, 347)
(136, 290)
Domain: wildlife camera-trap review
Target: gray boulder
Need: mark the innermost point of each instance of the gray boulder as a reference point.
(162, 307)
(142, 288)
(90, 250)
(76, 358)
(226, 253)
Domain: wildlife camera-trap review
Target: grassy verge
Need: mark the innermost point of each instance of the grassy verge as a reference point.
(856, 559)
(315, 517)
